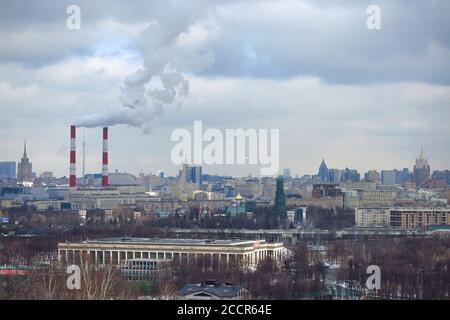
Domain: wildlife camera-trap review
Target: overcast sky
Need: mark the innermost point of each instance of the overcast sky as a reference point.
(365, 99)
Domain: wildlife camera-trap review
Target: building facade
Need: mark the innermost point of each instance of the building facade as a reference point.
(388, 177)
(372, 217)
(214, 254)
(406, 218)
(350, 175)
(372, 175)
(191, 174)
(152, 270)
(334, 175)
(377, 198)
(442, 175)
(419, 218)
(7, 169)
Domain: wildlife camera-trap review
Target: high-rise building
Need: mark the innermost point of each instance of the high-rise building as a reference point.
(388, 177)
(323, 171)
(7, 169)
(402, 176)
(196, 175)
(286, 173)
(334, 175)
(191, 174)
(350, 175)
(183, 175)
(280, 201)
(442, 175)
(421, 170)
(325, 190)
(372, 175)
(24, 167)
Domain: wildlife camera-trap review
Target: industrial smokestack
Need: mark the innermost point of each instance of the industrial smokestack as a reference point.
(105, 158)
(73, 167)
(84, 154)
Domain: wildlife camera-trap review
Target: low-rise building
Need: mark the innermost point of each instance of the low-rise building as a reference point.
(106, 198)
(378, 198)
(10, 203)
(325, 202)
(214, 254)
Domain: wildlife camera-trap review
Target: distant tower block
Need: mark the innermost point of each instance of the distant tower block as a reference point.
(105, 158)
(73, 167)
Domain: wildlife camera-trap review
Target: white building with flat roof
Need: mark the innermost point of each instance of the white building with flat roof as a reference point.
(214, 254)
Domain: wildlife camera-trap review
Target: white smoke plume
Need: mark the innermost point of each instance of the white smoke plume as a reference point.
(169, 50)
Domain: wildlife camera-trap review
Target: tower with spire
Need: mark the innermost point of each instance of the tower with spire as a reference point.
(323, 171)
(421, 169)
(24, 167)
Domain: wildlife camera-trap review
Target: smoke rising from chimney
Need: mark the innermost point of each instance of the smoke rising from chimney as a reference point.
(169, 49)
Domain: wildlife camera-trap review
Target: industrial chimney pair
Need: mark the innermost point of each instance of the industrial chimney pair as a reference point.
(73, 167)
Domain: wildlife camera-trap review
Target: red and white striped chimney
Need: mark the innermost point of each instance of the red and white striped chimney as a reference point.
(73, 166)
(105, 158)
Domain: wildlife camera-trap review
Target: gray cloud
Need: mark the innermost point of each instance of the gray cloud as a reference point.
(365, 99)
(328, 39)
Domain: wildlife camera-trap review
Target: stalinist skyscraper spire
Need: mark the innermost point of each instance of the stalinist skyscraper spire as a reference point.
(421, 169)
(24, 167)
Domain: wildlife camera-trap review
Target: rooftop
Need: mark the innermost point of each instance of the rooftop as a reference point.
(211, 287)
(164, 241)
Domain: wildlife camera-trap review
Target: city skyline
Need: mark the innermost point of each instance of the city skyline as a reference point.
(371, 113)
(241, 151)
(282, 170)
